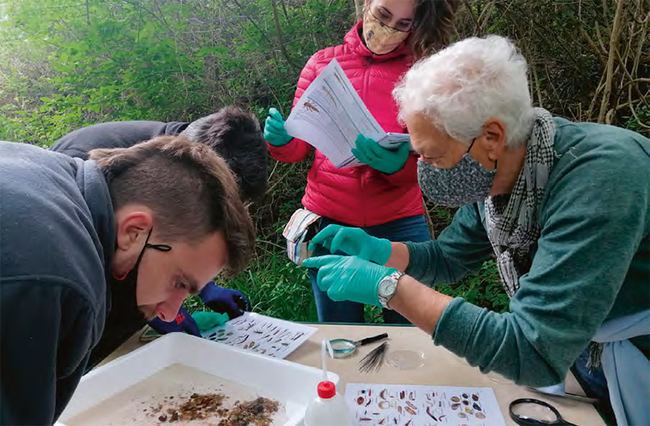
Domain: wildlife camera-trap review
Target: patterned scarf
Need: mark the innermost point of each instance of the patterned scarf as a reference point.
(512, 222)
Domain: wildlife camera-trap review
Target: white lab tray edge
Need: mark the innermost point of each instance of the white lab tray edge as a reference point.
(292, 384)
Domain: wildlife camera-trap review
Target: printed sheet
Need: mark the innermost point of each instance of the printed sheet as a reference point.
(261, 334)
(330, 114)
(413, 405)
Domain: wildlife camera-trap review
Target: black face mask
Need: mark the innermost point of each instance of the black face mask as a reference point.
(129, 283)
(124, 317)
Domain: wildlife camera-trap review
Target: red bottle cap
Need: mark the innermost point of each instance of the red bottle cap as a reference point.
(326, 390)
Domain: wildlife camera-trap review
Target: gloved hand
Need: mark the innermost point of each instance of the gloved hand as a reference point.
(274, 131)
(183, 323)
(224, 300)
(379, 158)
(207, 320)
(349, 277)
(354, 242)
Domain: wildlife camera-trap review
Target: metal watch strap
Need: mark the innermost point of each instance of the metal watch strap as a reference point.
(395, 276)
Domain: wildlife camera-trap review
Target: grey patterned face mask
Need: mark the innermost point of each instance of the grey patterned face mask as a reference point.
(465, 183)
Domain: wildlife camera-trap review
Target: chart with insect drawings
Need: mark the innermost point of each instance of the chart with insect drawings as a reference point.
(412, 405)
(261, 334)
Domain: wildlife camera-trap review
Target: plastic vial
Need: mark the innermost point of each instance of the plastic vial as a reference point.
(328, 408)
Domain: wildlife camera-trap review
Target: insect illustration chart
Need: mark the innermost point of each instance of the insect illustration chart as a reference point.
(411, 405)
(261, 334)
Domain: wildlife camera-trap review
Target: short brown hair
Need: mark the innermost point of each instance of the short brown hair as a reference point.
(189, 188)
(235, 134)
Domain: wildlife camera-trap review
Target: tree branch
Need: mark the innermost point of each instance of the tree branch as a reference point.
(613, 41)
(278, 28)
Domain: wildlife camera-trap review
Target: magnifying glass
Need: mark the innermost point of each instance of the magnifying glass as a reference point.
(533, 412)
(343, 348)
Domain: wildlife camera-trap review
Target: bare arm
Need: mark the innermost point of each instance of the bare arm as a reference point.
(429, 307)
(399, 257)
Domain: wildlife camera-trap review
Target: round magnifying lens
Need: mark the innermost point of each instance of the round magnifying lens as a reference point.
(342, 347)
(532, 409)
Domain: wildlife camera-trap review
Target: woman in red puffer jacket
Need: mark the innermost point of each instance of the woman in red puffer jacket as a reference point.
(382, 196)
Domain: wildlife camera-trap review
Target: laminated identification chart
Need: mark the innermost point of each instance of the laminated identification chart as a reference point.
(261, 334)
(413, 405)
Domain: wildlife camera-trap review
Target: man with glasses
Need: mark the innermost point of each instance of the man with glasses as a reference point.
(232, 133)
(157, 220)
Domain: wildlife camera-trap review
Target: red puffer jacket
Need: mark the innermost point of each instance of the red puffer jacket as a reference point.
(359, 196)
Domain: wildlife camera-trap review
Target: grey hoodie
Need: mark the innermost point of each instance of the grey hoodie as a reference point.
(57, 236)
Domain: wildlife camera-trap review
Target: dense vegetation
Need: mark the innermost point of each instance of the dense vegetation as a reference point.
(70, 63)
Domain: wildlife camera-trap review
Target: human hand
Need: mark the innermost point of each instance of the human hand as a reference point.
(274, 131)
(379, 158)
(349, 277)
(354, 242)
(183, 323)
(207, 320)
(224, 300)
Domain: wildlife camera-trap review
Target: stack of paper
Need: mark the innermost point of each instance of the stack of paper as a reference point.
(330, 114)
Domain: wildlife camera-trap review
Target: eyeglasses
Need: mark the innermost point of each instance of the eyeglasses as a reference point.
(384, 19)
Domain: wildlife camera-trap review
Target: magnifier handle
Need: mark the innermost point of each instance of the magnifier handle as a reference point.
(372, 339)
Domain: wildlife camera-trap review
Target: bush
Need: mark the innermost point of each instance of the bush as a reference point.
(67, 65)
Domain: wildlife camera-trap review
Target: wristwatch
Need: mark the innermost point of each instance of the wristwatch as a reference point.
(387, 288)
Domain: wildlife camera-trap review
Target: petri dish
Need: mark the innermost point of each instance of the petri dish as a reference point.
(405, 360)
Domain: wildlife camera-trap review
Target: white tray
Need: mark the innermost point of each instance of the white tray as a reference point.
(291, 384)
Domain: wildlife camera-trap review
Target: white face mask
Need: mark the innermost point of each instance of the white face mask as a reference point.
(380, 38)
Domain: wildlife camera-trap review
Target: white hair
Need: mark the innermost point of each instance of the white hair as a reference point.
(459, 88)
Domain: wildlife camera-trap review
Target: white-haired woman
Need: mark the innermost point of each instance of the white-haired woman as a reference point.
(564, 206)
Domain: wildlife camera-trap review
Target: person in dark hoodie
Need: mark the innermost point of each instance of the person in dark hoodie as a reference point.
(232, 133)
(158, 220)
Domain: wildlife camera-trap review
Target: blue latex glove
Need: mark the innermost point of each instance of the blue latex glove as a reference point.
(224, 300)
(349, 277)
(354, 242)
(274, 131)
(379, 158)
(183, 323)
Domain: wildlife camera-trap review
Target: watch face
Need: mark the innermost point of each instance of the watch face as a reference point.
(387, 287)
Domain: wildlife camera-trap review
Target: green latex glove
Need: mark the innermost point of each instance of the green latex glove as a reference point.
(379, 158)
(353, 241)
(274, 131)
(207, 320)
(349, 277)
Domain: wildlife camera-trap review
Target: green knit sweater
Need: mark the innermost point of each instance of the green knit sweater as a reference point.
(591, 262)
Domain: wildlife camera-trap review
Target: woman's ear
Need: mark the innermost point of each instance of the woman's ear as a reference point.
(494, 138)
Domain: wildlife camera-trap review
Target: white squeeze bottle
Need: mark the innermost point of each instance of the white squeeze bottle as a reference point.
(328, 408)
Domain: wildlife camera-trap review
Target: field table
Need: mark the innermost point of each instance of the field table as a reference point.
(439, 367)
